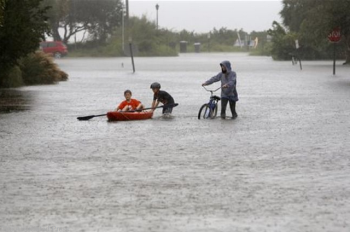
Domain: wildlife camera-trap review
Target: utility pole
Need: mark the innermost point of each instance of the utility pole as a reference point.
(123, 46)
(127, 12)
(157, 8)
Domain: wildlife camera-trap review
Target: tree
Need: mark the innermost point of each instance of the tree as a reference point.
(331, 14)
(57, 12)
(23, 24)
(150, 40)
(224, 36)
(293, 13)
(283, 42)
(2, 8)
(94, 16)
(313, 20)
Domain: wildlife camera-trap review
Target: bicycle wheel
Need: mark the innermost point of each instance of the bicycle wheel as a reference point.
(214, 112)
(204, 112)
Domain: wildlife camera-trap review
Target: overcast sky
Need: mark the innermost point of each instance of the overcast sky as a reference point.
(203, 16)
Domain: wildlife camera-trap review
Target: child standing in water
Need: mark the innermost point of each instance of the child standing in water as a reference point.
(161, 96)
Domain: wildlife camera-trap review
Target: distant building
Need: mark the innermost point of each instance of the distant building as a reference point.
(244, 43)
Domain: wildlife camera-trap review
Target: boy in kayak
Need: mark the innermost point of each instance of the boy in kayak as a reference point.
(229, 93)
(163, 97)
(129, 104)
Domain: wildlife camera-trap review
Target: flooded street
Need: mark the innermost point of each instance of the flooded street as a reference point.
(281, 166)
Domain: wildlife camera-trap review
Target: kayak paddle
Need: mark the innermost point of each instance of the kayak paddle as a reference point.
(170, 105)
(85, 118)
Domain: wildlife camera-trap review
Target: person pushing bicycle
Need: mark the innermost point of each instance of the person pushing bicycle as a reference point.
(229, 93)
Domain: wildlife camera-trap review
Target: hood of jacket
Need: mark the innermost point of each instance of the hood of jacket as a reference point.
(227, 65)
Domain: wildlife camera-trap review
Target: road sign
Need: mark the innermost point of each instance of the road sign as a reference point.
(297, 44)
(335, 35)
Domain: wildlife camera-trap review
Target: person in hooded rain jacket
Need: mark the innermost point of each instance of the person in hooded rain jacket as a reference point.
(229, 93)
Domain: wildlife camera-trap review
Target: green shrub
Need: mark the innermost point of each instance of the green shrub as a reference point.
(12, 78)
(262, 51)
(39, 68)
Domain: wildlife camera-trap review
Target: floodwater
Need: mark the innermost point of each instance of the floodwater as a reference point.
(283, 165)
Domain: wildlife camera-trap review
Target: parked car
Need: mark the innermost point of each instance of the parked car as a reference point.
(56, 48)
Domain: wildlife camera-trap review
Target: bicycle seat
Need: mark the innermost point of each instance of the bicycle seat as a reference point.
(216, 98)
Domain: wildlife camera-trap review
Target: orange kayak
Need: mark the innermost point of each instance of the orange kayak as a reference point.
(126, 116)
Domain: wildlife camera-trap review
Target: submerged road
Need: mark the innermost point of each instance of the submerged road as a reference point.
(281, 166)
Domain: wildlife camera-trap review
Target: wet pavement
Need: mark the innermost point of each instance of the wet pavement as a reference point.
(282, 165)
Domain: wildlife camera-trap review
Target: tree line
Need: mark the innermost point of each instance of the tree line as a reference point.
(106, 28)
(310, 22)
(102, 21)
(151, 41)
(24, 23)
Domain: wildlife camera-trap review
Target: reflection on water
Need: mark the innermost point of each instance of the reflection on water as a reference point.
(12, 100)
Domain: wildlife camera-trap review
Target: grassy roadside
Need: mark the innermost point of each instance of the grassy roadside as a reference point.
(35, 69)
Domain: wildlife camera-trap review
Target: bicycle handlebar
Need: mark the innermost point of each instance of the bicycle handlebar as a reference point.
(211, 90)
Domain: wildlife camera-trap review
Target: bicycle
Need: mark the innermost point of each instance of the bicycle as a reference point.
(210, 109)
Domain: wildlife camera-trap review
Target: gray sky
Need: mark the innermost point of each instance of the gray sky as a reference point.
(203, 16)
